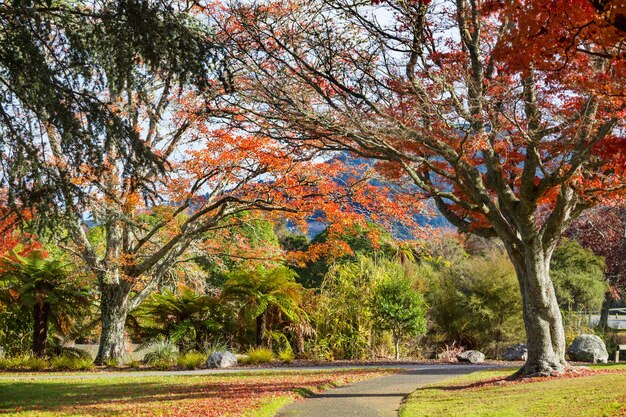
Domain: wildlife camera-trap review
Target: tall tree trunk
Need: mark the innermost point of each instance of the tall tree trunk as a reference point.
(260, 329)
(604, 311)
(396, 344)
(113, 310)
(299, 342)
(41, 311)
(542, 317)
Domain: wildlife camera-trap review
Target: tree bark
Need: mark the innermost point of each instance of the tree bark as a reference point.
(542, 317)
(260, 329)
(396, 344)
(604, 312)
(114, 310)
(41, 311)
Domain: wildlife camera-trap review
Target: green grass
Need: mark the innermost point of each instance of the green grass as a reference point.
(589, 396)
(270, 407)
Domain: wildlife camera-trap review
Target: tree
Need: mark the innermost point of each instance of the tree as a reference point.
(398, 308)
(85, 89)
(613, 11)
(47, 287)
(214, 182)
(578, 277)
(63, 67)
(454, 99)
(266, 295)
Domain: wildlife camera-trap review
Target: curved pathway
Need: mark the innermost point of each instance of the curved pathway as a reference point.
(377, 397)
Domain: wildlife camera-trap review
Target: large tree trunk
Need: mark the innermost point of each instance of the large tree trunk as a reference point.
(41, 311)
(261, 322)
(396, 344)
(113, 309)
(542, 317)
(604, 312)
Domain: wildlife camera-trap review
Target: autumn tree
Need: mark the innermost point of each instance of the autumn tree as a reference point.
(456, 98)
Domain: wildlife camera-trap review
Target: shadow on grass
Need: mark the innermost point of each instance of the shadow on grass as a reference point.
(101, 398)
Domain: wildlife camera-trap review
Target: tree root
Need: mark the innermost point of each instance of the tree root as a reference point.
(545, 369)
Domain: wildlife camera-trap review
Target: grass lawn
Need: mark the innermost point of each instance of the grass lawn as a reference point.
(240, 394)
(586, 396)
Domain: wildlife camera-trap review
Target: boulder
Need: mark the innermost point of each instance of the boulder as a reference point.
(223, 359)
(518, 352)
(588, 348)
(471, 356)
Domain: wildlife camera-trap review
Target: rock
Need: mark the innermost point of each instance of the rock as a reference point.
(222, 359)
(471, 356)
(588, 348)
(518, 352)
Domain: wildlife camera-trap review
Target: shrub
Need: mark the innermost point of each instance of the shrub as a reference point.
(134, 364)
(163, 355)
(72, 352)
(449, 353)
(259, 355)
(112, 363)
(215, 345)
(24, 363)
(286, 355)
(578, 277)
(477, 304)
(71, 363)
(342, 316)
(191, 360)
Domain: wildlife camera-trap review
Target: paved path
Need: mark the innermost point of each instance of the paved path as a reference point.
(377, 397)
(139, 374)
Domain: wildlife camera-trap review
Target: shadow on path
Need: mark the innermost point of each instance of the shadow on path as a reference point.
(377, 397)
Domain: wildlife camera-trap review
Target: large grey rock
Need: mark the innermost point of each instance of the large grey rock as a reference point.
(588, 348)
(223, 359)
(518, 352)
(471, 356)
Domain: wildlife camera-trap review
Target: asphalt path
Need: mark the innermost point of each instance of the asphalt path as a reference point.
(376, 397)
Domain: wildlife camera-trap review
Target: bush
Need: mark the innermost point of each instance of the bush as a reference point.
(449, 353)
(286, 356)
(134, 364)
(24, 363)
(342, 316)
(477, 304)
(578, 277)
(163, 356)
(72, 352)
(215, 345)
(259, 355)
(71, 363)
(191, 360)
(112, 363)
